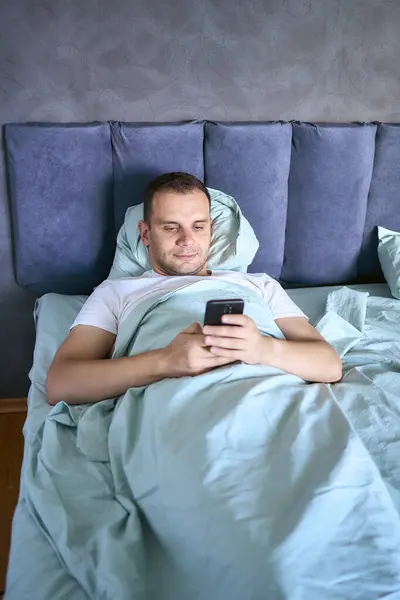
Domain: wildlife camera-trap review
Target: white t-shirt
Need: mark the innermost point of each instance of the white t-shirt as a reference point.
(113, 300)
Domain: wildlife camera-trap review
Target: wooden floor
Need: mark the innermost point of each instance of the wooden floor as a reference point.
(12, 418)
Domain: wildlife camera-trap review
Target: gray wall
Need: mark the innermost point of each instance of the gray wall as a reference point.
(141, 60)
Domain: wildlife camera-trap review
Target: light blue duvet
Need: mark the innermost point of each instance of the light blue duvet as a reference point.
(245, 483)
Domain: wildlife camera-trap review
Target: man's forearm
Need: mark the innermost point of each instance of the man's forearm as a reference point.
(84, 381)
(312, 361)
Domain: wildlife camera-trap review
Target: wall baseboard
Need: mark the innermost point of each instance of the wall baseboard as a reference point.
(13, 405)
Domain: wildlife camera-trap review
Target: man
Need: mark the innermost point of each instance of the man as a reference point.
(176, 229)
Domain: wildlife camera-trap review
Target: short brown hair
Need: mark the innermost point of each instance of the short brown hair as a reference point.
(183, 183)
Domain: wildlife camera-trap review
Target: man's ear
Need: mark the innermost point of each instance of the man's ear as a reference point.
(144, 229)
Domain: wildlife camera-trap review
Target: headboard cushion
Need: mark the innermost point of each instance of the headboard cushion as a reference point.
(141, 152)
(384, 199)
(313, 193)
(251, 163)
(61, 191)
(330, 174)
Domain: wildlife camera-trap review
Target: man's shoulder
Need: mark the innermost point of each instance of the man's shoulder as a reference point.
(119, 284)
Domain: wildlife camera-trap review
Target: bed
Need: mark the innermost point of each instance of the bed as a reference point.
(314, 195)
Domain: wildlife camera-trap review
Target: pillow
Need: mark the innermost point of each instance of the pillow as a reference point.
(389, 257)
(53, 316)
(233, 246)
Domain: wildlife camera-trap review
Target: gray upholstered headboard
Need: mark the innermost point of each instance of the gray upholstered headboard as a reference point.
(313, 193)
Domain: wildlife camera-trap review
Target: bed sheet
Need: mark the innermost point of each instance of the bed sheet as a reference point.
(312, 301)
(54, 314)
(32, 559)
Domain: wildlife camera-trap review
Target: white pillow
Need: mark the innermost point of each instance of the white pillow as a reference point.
(233, 246)
(389, 257)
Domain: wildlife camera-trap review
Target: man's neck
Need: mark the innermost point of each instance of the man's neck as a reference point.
(202, 273)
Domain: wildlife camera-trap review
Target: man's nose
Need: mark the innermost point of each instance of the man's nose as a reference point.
(185, 237)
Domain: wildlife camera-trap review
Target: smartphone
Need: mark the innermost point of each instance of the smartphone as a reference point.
(216, 308)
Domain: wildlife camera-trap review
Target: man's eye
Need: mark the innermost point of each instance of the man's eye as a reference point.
(170, 229)
(198, 227)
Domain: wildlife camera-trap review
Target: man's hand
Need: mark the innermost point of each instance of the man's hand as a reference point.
(188, 354)
(303, 352)
(238, 339)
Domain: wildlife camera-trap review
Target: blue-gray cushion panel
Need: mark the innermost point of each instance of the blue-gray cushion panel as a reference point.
(61, 187)
(250, 161)
(383, 201)
(330, 175)
(141, 152)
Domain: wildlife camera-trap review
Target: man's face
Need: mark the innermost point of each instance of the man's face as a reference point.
(179, 235)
